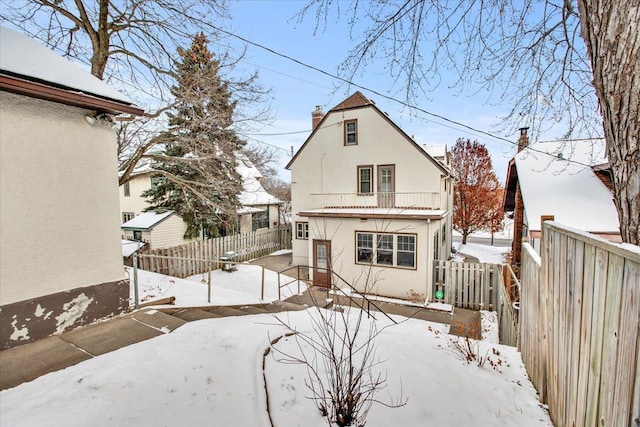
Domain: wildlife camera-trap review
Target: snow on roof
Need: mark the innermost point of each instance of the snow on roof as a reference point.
(247, 210)
(146, 220)
(129, 247)
(253, 193)
(556, 179)
(436, 150)
(25, 57)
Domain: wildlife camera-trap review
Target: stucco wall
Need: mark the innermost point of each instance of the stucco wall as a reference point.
(135, 202)
(380, 280)
(59, 221)
(327, 165)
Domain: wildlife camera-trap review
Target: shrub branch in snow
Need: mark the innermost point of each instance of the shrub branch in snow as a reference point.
(343, 370)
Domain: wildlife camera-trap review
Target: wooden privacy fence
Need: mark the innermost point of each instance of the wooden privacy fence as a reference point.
(507, 313)
(467, 285)
(187, 259)
(579, 327)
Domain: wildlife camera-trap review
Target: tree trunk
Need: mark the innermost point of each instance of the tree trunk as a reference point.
(464, 238)
(611, 32)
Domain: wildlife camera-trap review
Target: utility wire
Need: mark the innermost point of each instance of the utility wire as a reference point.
(382, 95)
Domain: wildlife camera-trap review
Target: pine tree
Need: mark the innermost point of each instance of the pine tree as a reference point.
(196, 173)
(476, 203)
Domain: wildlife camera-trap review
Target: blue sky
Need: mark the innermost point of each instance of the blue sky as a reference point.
(297, 89)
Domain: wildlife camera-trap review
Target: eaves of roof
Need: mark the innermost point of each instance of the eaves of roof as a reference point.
(38, 90)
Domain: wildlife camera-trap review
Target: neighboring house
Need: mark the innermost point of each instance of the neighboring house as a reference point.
(60, 258)
(568, 181)
(259, 209)
(159, 230)
(369, 204)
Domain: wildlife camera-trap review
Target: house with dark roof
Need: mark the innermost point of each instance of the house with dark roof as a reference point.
(371, 208)
(60, 258)
(567, 181)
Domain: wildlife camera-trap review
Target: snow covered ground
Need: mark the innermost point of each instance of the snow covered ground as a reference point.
(239, 287)
(209, 372)
(484, 253)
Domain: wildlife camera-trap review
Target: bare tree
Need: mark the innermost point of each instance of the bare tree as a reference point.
(531, 54)
(132, 44)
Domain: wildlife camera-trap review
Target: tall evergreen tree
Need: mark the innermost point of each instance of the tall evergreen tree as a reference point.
(196, 173)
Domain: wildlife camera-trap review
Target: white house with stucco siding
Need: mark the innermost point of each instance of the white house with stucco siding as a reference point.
(60, 258)
(371, 208)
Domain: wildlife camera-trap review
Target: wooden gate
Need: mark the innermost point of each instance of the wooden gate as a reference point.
(467, 285)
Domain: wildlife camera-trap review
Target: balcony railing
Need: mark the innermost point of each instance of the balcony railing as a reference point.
(427, 200)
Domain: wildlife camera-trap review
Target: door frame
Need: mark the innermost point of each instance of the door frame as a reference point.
(322, 278)
(386, 200)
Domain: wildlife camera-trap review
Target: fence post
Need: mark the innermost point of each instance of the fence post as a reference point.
(262, 286)
(209, 284)
(136, 301)
(279, 296)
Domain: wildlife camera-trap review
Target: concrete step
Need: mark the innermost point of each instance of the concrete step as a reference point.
(278, 306)
(193, 314)
(30, 361)
(226, 311)
(253, 309)
(104, 337)
(158, 319)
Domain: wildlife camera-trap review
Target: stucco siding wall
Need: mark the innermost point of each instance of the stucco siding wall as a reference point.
(326, 165)
(59, 221)
(393, 282)
(135, 202)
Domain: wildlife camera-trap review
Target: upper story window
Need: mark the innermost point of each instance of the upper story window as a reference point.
(127, 190)
(365, 179)
(127, 216)
(351, 132)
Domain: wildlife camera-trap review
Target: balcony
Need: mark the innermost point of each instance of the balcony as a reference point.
(404, 201)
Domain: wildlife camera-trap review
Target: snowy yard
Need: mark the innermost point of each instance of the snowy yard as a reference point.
(484, 253)
(239, 287)
(209, 372)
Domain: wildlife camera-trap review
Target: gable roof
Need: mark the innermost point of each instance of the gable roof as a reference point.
(28, 68)
(358, 100)
(354, 101)
(557, 178)
(253, 193)
(146, 221)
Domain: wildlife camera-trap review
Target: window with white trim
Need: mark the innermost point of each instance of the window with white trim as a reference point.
(364, 248)
(302, 230)
(391, 250)
(365, 179)
(351, 132)
(127, 216)
(126, 188)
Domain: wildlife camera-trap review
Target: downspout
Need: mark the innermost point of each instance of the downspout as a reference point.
(428, 286)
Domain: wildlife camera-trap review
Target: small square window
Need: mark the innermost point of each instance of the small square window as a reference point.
(127, 216)
(351, 132)
(302, 230)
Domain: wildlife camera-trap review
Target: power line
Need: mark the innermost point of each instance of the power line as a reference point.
(382, 95)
